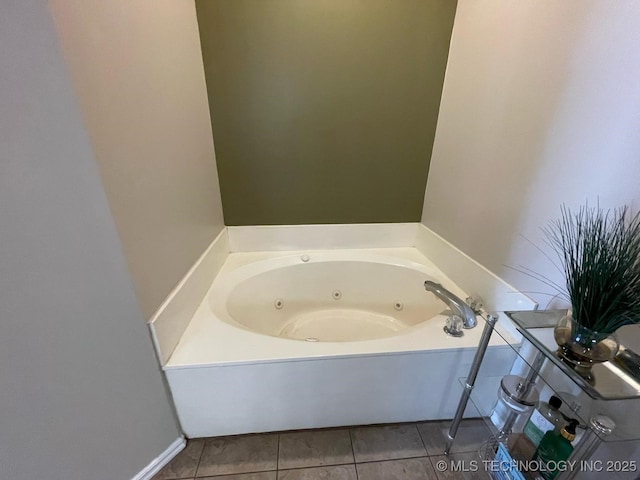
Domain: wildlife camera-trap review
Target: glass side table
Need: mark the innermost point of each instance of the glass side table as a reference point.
(610, 381)
(613, 392)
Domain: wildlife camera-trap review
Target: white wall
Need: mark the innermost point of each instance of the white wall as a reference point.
(540, 107)
(138, 72)
(81, 396)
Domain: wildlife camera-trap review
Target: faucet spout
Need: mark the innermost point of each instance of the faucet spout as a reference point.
(458, 306)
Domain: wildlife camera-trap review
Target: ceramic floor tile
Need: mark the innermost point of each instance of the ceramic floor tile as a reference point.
(314, 448)
(244, 476)
(434, 436)
(241, 454)
(471, 434)
(341, 472)
(387, 442)
(404, 469)
(459, 466)
(184, 464)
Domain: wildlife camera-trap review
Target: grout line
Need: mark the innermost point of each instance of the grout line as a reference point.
(353, 454)
(394, 459)
(237, 474)
(422, 439)
(204, 444)
(435, 469)
(311, 467)
(426, 452)
(278, 456)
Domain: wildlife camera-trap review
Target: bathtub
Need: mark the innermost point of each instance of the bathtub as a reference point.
(308, 339)
(328, 296)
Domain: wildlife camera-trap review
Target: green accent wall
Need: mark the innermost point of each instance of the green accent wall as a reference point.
(324, 111)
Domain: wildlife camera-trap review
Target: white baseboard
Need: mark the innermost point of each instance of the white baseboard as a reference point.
(163, 459)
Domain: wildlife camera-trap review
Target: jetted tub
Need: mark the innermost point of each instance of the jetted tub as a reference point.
(328, 297)
(291, 340)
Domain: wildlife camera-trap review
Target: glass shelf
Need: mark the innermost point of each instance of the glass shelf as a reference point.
(517, 445)
(614, 393)
(610, 381)
(488, 387)
(482, 401)
(529, 334)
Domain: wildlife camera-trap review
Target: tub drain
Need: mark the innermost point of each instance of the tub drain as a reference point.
(337, 294)
(398, 305)
(311, 339)
(279, 303)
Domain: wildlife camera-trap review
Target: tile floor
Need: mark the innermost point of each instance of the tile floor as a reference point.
(407, 451)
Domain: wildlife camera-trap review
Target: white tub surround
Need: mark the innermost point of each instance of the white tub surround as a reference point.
(227, 379)
(324, 392)
(214, 337)
(173, 316)
(321, 237)
(465, 272)
(469, 275)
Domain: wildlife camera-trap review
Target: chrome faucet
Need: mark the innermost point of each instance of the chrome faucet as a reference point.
(459, 307)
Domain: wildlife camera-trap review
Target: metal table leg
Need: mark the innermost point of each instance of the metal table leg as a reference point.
(471, 379)
(601, 425)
